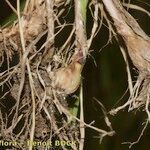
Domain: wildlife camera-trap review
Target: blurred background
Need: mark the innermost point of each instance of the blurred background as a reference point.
(105, 79)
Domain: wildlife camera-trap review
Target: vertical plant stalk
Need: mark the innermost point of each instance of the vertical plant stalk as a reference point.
(31, 82)
(80, 25)
(81, 48)
(50, 19)
(23, 61)
(49, 48)
(82, 130)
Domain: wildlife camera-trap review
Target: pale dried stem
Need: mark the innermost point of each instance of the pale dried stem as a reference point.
(31, 82)
(26, 6)
(50, 19)
(49, 49)
(11, 6)
(82, 129)
(81, 40)
(23, 62)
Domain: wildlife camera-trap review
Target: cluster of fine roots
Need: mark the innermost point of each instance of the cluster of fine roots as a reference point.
(31, 109)
(41, 58)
